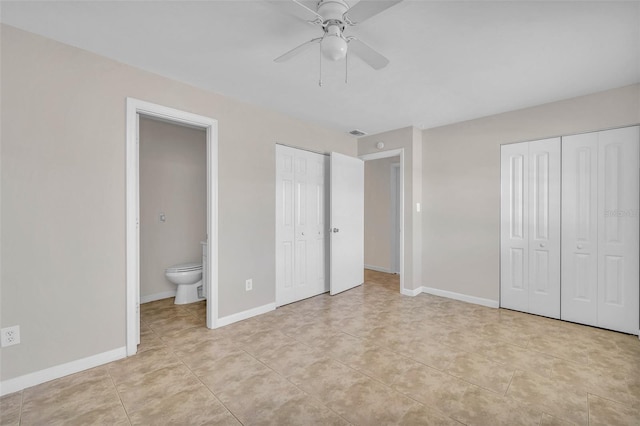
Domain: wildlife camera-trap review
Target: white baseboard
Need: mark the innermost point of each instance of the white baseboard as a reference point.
(157, 296)
(51, 373)
(230, 319)
(378, 268)
(409, 292)
(462, 297)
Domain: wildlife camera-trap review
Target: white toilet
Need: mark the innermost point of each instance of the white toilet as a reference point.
(188, 277)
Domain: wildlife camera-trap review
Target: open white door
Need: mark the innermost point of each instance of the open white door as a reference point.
(347, 222)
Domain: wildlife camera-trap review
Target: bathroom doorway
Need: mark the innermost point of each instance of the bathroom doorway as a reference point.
(173, 203)
(137, 109)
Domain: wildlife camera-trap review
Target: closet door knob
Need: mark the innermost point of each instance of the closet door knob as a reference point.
(580, 246)
(541, 245)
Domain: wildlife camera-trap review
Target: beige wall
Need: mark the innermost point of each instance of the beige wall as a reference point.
(409, 139)
(173, 180)
(461, 185)
(377, 213)
(63, 195)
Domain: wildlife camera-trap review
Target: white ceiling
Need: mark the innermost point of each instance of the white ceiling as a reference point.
(450, 61)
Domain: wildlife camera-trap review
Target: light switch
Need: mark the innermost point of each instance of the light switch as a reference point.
(163, 218)
(418, 207)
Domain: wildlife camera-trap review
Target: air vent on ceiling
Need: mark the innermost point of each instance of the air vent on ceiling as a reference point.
(358, 133)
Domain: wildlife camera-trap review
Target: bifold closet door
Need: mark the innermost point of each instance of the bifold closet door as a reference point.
(600, 229)
(618, 236)
(580, 228)
(514, 227)
(544, 227)
(301, 211)
(285, 229)
(530, 227)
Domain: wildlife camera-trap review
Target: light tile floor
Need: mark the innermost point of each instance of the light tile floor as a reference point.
(368, 356)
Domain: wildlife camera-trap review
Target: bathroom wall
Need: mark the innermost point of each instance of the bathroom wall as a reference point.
(377, 213)
(173, 181)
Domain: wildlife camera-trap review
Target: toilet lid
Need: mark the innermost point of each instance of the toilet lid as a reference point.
(185, 267)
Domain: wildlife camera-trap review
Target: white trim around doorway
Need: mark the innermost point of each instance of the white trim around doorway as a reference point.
(387, 154)
(136, 108)
(396, 190)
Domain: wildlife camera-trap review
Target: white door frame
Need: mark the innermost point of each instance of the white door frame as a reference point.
(135, 108)
(395, 217)
(387, 154)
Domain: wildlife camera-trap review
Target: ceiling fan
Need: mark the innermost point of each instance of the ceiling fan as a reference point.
(334, 16)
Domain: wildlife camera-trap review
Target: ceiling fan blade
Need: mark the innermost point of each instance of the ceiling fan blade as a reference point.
(374, 59)
(297, 9)
(365, 9)
(296, 50)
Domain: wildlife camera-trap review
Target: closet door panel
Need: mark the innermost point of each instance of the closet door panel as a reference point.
(285, 290)
(301, 215)
(544, 227)
(514, 228)
(314, 231)
(301, 211)
(579, 273)
(618, 204)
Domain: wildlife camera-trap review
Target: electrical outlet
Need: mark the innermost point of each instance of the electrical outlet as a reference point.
(10, 336)
(248, 284)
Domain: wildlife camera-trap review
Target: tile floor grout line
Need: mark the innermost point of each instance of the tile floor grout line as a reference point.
(210, 391)
(21, 406)
(297, 387)
(115, 387)
(510, 380)
(608, 399)
(425, 405)
(473, 384)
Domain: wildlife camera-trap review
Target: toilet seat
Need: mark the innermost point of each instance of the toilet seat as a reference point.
(185, 267)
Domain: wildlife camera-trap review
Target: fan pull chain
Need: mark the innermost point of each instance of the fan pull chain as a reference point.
(320, 50)
(346, 68)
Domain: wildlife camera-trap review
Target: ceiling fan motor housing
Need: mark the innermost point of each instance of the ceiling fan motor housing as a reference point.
(332, 10)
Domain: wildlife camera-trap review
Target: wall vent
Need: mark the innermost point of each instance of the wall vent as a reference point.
(358, 133)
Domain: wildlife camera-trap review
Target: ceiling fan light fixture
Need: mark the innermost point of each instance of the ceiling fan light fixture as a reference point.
(334, 47)
(334, 16)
